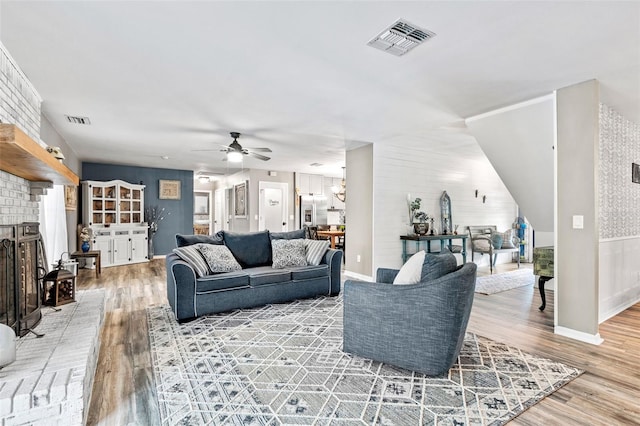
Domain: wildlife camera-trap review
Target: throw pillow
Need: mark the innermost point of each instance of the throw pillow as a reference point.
(316, 250)
(187, 240)
(288, 253)
(193, 257)
(437, 265)
(219, 258)
(509, 239)
(250, 249)
(496, 240)
(291, 235)
(411, 272)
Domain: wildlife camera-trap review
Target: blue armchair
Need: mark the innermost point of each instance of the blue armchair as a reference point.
(418, 327)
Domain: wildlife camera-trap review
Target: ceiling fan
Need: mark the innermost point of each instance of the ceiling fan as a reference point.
(235, 151)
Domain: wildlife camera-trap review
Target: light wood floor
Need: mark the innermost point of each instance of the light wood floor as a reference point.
(608, 393)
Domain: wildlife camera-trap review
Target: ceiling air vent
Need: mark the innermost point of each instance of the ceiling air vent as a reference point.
(400, 38)
(315, 164)
(78, 120)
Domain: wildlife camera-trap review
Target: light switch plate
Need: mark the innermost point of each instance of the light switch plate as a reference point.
(578, 222)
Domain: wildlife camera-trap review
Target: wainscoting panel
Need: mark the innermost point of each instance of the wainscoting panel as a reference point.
(619, 275)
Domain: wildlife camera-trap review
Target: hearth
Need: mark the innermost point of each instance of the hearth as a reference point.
(22, 263)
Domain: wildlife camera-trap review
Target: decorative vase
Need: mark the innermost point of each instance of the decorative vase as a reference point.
(496, 241)
(85, 246)
(421, 228)
(7, 345)
(150, 246)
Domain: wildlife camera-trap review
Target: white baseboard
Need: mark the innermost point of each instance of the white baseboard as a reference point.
(357, 276)
(616, 310)
(593, 339)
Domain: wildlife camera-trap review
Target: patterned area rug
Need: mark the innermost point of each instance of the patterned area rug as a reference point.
(283, 364)
(491, 284)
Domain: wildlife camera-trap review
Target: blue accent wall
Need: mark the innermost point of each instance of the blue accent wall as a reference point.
(178, 214)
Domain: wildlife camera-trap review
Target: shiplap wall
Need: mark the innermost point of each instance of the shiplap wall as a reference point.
(454, 163)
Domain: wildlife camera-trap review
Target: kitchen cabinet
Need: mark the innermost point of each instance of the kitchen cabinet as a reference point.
(114, 211)
(309, 184)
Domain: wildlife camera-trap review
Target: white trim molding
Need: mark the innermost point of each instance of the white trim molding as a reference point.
(593, 339)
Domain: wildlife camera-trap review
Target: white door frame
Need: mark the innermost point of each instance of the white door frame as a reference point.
(219, 211)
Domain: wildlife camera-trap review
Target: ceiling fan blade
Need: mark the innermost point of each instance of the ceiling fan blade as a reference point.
(258, 156)
(203, 150)
(258, 149)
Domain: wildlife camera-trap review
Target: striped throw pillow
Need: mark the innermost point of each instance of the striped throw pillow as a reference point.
(192, 256)
(316, 250)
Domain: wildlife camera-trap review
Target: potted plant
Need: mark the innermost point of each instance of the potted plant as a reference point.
(418, 219)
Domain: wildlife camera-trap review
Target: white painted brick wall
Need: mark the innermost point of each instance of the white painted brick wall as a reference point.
(51, 380)
(19, 104)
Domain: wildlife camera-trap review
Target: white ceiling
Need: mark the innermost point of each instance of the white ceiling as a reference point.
(166, 78)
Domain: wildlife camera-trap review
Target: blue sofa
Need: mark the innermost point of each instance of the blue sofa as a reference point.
(258, 283)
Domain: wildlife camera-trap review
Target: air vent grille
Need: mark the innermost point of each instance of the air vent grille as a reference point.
(78, 120)
(400, 38)
(315, 164)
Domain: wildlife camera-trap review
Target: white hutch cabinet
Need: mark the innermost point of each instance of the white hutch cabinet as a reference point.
(114, 211)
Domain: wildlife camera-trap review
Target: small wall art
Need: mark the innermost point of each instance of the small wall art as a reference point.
(70, 197)
(169, 189)
(240, 199)
(635, 173)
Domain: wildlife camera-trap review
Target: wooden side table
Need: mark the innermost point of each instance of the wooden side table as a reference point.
(89, 254)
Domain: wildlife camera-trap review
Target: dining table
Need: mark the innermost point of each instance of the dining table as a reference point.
(333, 236)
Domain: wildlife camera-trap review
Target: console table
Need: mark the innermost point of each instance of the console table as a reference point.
(443, 239)
(543, 267)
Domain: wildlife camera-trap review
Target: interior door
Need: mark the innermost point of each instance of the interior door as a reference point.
(273, 206)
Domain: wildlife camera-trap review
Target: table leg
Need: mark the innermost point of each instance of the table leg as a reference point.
(333, 241)
(98, 266)
(428, 246)
(541, 282)
(464, 252)
(404, 251)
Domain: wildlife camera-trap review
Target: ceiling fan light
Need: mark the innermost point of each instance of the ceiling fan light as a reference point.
(234, 156)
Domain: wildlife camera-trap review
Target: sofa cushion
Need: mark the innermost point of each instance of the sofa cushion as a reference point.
(437, 265)
(250, 249)
(307, 272)
(287, 253)
(222, 281)
(411, 272)
(219, 258)
(315, 250)
(187, 240)
(291, 235)
(193, 257)
(267, 275)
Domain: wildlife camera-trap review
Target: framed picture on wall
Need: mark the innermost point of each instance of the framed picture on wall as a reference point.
(201, 203)
(70, 197)
(635, 173)
(169, 190)
(240, 200)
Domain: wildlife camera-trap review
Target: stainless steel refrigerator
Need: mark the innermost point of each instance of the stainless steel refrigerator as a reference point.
(313, 210)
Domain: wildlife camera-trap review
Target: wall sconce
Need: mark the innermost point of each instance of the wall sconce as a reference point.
(484, 199)
(476, 193)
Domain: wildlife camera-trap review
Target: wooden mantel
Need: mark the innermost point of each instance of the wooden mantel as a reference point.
(22, 156)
